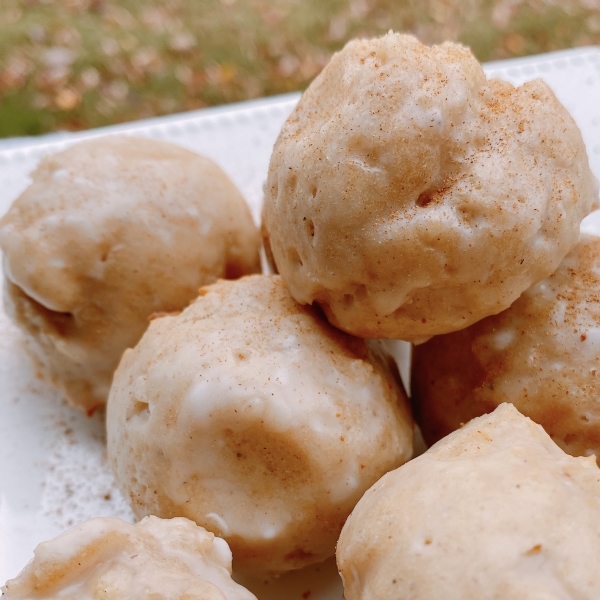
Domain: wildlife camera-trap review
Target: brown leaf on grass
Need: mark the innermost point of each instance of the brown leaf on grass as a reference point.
(182, 41)
(16, 72)
(338, 27)
(110, 46)
(515, 43)
(154, 18)
(288, 65)
(67, 99)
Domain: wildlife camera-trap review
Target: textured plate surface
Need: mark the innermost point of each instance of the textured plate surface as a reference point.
(53, 470)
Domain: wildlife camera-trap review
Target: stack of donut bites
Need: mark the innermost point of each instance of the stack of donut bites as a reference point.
(261, 420)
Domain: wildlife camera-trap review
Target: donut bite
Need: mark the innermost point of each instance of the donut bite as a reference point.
(109, 232)
(542, 355)
(110, 559)
(252, 416)
(494, 511)
(409, 196)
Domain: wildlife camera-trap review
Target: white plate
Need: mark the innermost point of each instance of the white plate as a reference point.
(53, 470)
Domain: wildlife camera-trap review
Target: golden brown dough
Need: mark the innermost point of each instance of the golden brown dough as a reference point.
(409, 196)
(109, 559)
(542, 354)
(494, 511)
(109, 232)
(251, 415)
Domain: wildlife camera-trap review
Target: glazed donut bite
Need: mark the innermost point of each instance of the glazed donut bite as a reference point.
(409, 197)
(495, 511)
(252, 416)
(542, 354)
(107, 558)
(109, 232)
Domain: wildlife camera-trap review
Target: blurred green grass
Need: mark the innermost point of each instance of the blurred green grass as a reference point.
(76, 64)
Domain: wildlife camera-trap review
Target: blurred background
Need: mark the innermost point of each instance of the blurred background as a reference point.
(76, 64)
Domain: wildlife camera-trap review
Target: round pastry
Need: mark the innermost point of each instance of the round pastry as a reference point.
(542, 354)
(251, 415)
(109, 232)
(495, 511)
(409, 197)
(107, 558)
